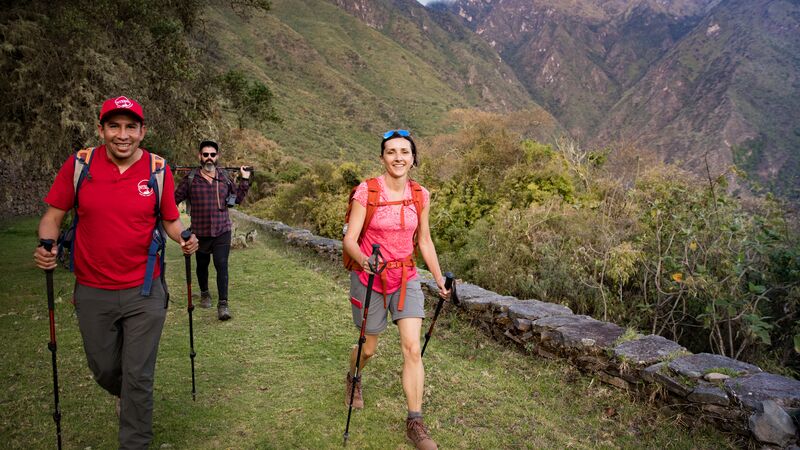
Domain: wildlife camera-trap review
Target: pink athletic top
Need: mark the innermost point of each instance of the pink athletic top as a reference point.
(384, 229)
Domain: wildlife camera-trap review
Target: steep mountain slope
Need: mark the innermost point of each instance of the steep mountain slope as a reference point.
(577, 57)
(730, 90)
(463, 60)
(694, 80)
(339, 80)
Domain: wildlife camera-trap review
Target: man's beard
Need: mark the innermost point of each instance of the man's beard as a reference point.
(209, 166)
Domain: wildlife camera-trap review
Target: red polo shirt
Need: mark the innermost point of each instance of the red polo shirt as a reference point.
(116, 218)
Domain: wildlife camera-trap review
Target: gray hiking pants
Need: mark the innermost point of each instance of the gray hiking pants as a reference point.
(121, 330)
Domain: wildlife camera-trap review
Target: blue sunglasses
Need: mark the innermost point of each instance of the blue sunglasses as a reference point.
(401, 133)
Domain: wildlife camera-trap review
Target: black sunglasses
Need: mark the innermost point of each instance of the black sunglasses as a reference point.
(208, 154)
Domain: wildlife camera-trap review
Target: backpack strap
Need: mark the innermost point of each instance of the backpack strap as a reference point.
(232, 189)
(158, 167)
(83, 158)
(418, 198)
(373, 201)
(158, 244)
(223, 174)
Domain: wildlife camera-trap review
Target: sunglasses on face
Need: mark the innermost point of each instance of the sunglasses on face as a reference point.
(401, 133)
(209, 155)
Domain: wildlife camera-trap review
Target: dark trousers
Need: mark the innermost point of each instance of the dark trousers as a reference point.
(219, 248)
(121, 330)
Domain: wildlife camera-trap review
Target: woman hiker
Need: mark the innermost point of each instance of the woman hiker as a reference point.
(400, 217)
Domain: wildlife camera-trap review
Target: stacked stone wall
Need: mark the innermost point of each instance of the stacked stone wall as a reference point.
(733, 395)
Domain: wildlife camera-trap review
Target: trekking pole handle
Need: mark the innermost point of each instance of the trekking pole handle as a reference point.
(186, 234)
(47, 244)
(376, 261)
(372, 261)
(450, 285)
(448, 280)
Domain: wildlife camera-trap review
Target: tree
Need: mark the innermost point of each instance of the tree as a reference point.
(249, 100)
(60, 60)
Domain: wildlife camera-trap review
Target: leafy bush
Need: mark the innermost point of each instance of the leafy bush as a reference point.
(713, 266)
(654, 248)
(316, 200)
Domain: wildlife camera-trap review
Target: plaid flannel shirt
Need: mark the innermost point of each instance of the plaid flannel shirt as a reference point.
(209, 211)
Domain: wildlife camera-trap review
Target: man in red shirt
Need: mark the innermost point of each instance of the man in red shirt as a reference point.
(120, 321)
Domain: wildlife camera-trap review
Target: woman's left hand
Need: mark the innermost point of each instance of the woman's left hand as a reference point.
(443, 291)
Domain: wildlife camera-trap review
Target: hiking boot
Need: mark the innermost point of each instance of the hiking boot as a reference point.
(418, 434)
(222, 311)
(205, 299)
(358, 400)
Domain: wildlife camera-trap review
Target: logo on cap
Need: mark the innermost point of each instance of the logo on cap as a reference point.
(123, 102)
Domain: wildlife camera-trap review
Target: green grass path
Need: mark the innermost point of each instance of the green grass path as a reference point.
(273, 376)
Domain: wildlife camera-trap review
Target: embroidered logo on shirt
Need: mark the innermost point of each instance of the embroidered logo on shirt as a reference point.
(144, 191)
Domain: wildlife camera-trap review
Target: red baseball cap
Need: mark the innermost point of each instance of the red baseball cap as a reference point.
(121, 103)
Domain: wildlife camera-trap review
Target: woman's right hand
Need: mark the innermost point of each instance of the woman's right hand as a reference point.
(365, 263)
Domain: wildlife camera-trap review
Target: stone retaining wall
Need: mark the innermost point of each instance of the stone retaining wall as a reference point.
(733, 395)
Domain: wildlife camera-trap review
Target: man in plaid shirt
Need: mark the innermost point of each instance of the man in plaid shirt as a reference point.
(209, 193)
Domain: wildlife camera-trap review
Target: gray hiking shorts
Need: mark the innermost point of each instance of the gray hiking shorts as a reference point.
(414, 305)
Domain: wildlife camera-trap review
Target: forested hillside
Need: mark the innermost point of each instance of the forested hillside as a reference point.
(307, 80)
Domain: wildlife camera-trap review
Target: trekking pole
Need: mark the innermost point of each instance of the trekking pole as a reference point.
(48, 245)
(376, 266)
(448, 284)
(186, 235)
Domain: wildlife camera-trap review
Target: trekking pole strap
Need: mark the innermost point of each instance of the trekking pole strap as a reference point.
(186, 235)
(156, 246)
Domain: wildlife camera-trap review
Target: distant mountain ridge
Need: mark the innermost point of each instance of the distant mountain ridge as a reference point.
(694, 80)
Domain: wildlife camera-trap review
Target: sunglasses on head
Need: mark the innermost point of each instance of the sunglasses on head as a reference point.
(209, 154)
(401, 133)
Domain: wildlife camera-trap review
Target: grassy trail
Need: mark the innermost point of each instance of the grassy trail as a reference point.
(273, 376)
